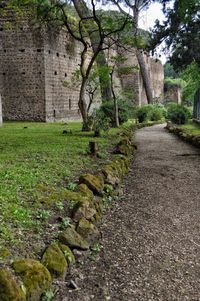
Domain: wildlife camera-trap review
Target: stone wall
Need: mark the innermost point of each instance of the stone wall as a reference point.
(61, 59)
(172, 94)
(133, 79)
(22, 73)
(36, 67)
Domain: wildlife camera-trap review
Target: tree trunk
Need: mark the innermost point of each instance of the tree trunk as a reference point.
(145, 76)
(105, 86)
(116, 110)
(83, 106)
(140, 57)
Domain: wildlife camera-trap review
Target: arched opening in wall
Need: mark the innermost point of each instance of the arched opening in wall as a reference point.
(22, 50)
(70, 104)
(65, 74)
(39, 50)
(54, 113)
(55, 73)
(57, 54)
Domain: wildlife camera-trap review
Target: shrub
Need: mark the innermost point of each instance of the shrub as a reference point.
(99, 121)
(143, 112)
(178, 113)
(155, 114)
(125, 110)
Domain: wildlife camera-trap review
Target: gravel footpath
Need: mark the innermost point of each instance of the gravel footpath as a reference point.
(151, 236)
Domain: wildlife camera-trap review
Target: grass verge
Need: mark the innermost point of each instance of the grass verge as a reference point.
(37, 163)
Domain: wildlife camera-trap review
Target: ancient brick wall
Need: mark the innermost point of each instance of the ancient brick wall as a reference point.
(22, 73)
(36, 67)
(61, 59)
(172, 94)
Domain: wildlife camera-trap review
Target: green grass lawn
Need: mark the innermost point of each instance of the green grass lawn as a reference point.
(37, 161)
(192, 127)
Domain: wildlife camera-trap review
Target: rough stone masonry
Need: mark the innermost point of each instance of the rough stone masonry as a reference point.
(36, 64)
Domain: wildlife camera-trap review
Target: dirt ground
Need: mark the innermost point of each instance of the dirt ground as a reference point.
(150, 246)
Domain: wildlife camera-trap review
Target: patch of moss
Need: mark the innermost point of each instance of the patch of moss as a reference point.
(83, 188)
(54, 260)
(9, 289)
(68, 254)
(4, 253)
(93, 182)
(35, 276)
(73, 239)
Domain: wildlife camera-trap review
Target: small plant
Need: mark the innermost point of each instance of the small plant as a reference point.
(60, 206)
(44, 214)
(65, 223)
(95, 249)
(48, 295)
(71, 186)
(71, 205)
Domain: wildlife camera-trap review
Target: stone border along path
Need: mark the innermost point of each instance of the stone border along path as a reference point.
(151, 236)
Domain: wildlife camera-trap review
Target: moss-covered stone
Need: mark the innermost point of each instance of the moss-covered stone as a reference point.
(85, 191)
(123, 149)
(111, 175)
(84, 209)
(87, 230)
(9, 289)
(68, 254)
(54, 260)
(4, 253)
(35, 276)
(93, 182)
(73, 239)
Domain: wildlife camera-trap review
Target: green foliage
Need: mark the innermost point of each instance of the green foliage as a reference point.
(191, 75)
(178, 114)
(153, 112)
(174, 82)
(181, 32)
(124, 108)
(169, 71)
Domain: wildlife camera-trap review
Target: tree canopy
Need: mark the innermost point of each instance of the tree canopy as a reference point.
(181, 32)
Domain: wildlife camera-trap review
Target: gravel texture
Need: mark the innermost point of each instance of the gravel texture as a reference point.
(150, 246)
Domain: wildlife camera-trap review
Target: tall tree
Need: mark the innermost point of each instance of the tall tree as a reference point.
(135, 7)
(181, 32)
(84, 12)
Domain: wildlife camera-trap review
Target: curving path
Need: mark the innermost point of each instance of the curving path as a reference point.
(151, 236)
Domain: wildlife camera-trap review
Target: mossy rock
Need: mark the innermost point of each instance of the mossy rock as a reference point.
(73, 239)
(111, 175)
(123, 149)
(69, 256)
(9, 289)
(83, 209)
(83, 188)
(93, 182)
(54, 260)
(35, 276)
(4, 253)
(87, 230)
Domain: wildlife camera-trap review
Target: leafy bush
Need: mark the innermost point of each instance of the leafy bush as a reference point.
(153, 112)
(99, 121)
(143, 112)
(178, 114)
(125, 110)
